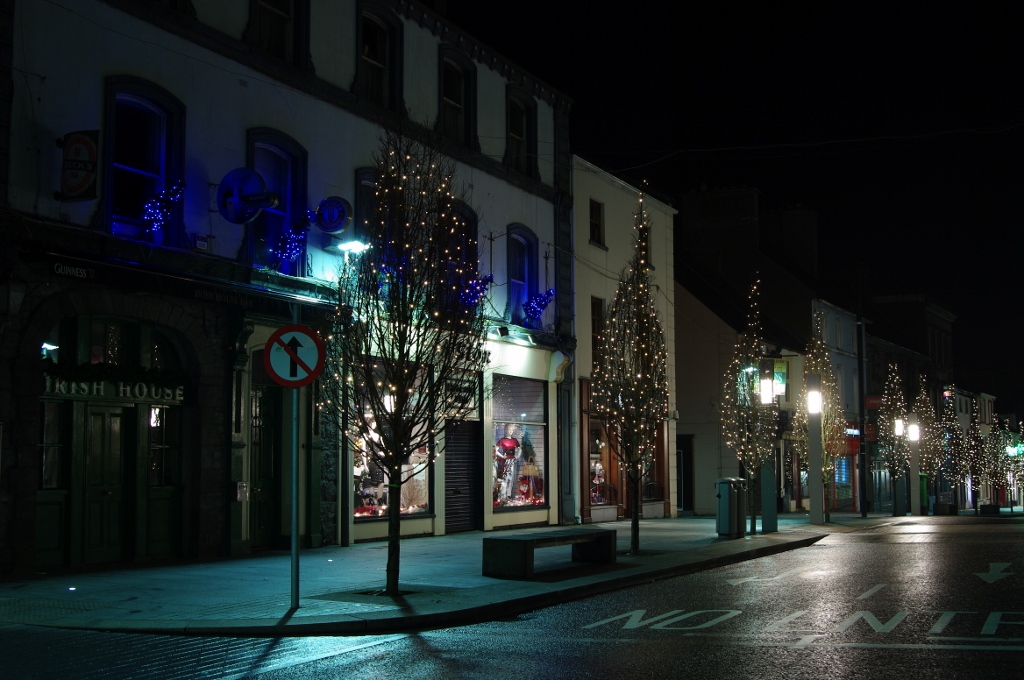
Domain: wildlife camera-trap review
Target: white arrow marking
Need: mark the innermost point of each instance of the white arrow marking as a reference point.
(995, 572)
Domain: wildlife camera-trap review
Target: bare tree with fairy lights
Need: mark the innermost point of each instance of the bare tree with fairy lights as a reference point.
(630, 384)
(892, 438)
(833, 420)
(749, 427)
(406, 344)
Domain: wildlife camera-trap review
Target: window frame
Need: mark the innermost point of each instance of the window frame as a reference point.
(524, 234)
(172, 162)
(297, 47)
(393, 96)
(597, 226)
(528, 166)
(297, 207)
(459, 60)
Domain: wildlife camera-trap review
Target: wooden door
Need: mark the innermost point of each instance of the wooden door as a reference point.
(265, 461)
(104, 485)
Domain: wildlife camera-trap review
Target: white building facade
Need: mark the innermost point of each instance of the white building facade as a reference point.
(152, 429)
(605, 240)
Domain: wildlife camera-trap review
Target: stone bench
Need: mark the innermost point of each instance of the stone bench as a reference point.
(512, 556)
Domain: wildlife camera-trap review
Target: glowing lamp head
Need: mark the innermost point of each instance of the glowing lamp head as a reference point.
(767, 377)
(913, 428)
(898, 428)
(813, 393)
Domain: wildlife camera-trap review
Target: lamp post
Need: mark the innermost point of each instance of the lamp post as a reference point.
(769, 486)
(914, 437)
(815, 485)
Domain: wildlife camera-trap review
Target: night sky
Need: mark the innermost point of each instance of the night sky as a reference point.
(901, 124)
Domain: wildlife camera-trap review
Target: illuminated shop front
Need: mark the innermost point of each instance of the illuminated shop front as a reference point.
(520, 444)
(604, 488)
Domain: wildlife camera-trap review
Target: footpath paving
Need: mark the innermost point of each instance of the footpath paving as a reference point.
(339, 587)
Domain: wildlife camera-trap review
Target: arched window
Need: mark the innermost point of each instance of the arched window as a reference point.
(277, 238)
(457, 97)
(280, 29)
(522, 274)
(521, 131)
(379, 62)
(144, 133)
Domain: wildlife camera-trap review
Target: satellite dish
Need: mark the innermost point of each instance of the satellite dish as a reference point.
(242, 195)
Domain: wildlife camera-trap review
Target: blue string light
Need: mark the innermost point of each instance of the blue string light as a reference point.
(475, 290)
(289, 245)
(536, 305)
(158, 210)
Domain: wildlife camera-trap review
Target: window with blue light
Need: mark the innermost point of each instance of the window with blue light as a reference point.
(143, 166)
(277, 238)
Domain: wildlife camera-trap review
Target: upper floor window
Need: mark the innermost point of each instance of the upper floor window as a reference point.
(144, 148)
(457, 107)
(522, 277)
(596, 222)
(280, 29)
(521, 132)
(277, 238)
(379, 39)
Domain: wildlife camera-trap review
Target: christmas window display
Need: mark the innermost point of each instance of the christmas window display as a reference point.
(603, 490)
(372, 493)
(519, 454)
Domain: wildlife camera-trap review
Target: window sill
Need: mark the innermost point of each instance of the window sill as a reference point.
(598, 244)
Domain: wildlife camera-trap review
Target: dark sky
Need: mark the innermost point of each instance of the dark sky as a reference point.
(901, 124)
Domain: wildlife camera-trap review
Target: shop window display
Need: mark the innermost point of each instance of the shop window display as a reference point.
(372, 494)
(602, 466)
(519, 453)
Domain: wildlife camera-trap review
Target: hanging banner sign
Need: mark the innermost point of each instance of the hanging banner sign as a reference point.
(294, 356)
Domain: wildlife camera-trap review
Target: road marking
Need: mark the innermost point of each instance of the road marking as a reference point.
(871, 592)
(758, 579)
(872, 621)
(944, 621)
(995, 572)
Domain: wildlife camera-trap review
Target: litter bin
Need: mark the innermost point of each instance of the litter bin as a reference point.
(732, 507)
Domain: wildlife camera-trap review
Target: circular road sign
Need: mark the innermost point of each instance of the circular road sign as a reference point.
(294, 356)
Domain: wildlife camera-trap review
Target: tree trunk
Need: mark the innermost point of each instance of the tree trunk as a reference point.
(634, 524)
(753, 506)
(394, 532)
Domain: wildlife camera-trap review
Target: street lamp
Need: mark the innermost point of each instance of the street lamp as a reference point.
(914, 437)
(815, 485)
(769, 485)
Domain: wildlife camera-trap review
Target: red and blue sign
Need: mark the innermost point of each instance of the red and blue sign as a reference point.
(294, 356)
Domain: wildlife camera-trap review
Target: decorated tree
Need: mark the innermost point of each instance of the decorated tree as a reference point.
(972, 461)
(892, 443)
(833, 419)
(630, 383)
(996, 465)
(931, 449)
(748, 426)
(406, 344)
(952, 439)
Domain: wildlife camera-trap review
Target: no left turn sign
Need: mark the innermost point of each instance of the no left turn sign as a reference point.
(294, 356)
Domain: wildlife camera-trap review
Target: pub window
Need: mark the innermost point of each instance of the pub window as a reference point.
(519, 456)
(277, 238)
(106, 342)
(144, 144)
(522, 275)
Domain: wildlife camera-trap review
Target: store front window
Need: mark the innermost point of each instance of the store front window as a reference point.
(520, 443)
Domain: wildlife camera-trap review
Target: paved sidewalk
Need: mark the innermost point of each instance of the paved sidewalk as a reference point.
(441, 576)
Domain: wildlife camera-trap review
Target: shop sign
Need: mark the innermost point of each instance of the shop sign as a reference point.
(117, 390)
(78, 169)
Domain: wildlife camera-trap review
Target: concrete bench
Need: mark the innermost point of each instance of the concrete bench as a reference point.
(512, 556)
